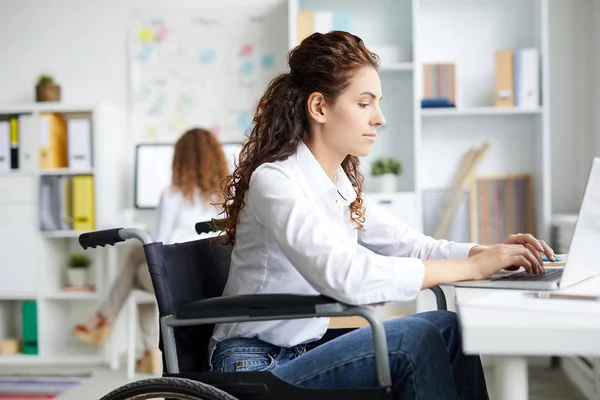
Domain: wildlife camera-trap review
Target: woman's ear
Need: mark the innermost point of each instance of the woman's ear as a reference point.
(316, 103)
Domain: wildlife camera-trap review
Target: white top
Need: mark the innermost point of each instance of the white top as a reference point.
(176, 216)
(295, 236)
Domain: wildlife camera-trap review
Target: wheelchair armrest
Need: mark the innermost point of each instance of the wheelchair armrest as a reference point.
(440, 298)
(257, 305)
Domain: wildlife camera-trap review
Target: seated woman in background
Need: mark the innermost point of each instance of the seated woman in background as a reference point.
(199, 166)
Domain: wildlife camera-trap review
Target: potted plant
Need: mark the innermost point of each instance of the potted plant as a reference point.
(78, 269)
(46, 89)
(386, 171)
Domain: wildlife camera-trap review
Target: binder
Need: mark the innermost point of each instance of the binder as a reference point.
(79, 144)
(30, 327)
(83, 203)
(504, 80)
(305, 25)
(53, 141)
(28, 151)
(4, 145)
(527, 78)
(50, 217)
(13, 122)
(66, 202)
(323, 21)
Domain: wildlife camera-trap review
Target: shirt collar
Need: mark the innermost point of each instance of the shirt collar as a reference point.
(320, 184)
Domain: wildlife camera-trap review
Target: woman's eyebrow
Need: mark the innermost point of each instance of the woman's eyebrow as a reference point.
(371, 94)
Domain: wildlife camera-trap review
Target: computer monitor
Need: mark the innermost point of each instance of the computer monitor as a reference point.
(153, 163)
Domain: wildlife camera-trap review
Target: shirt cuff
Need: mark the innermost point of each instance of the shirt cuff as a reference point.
(461, 250)
(409, 274)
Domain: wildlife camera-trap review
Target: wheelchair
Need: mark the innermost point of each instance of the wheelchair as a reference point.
(188, 280)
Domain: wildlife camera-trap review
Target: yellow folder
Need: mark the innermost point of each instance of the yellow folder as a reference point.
(305, 25)
(53, 141)
(504, 95)
(83, 202)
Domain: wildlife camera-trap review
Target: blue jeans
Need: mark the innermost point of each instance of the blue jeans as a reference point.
(424, 351)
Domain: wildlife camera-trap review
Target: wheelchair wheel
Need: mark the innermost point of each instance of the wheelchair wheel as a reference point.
(167, 388)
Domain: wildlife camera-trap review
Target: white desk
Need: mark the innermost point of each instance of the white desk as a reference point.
(510, 335)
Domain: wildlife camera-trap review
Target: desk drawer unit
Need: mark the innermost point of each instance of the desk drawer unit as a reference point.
(403, 205)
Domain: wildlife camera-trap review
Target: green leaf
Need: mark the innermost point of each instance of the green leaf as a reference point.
(79, 260)
(386, 166)
(45, 79)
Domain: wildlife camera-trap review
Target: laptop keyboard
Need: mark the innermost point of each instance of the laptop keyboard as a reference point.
(553, 274)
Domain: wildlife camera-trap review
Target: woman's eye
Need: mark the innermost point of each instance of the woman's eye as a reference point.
(363, 105)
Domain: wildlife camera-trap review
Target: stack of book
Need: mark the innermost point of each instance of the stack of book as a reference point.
(439, 85)
(324, 21)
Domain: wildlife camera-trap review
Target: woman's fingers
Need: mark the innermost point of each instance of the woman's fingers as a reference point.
(520, 259)
(548, 251)
(523, 254)
(536, 254)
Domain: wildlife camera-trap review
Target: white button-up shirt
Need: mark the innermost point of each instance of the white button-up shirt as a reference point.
(295, 236)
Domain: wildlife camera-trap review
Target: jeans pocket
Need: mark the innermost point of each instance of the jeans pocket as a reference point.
(243, 361)
(264, 362)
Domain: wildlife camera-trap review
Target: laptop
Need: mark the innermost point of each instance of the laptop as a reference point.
(583, 261)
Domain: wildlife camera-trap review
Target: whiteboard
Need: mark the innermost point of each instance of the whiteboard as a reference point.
(153, 170)
(203, 68)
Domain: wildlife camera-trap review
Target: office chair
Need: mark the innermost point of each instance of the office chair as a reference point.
(188, 280)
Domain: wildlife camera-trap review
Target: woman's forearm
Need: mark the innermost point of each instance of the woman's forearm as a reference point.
(438, 272)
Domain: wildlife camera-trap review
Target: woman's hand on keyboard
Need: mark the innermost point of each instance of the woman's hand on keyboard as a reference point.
(535, 246)
(503, 256)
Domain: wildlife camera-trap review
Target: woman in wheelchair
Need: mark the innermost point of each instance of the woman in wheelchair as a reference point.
(300, 223)
(300, 242)
(199, 165)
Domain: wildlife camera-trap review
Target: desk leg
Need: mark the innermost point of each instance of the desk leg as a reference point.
(510, 378)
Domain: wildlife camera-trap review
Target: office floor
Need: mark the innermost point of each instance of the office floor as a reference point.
(545, 383)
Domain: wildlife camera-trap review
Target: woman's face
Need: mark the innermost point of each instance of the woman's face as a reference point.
(350, 124)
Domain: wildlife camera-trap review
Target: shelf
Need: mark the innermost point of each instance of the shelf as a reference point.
(17, 172)
(18, 296)
(64, 171)
(61, 234)
(474, 111)
(26, 359)
(72, 296)
(47, 107)
(19, 359)
(403, 66)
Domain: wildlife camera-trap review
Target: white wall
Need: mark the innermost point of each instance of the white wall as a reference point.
(572, 82)
(83, 44)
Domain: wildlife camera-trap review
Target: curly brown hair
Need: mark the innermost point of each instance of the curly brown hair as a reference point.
(323, 63)
(199, 162)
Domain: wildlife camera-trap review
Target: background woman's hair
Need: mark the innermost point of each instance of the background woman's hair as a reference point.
(323, 63)
(199, 163)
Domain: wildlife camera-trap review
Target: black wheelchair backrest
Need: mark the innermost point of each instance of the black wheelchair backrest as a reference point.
(186, 272)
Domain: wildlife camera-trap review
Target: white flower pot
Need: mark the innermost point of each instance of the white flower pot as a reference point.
(77, 276)
(387, 183)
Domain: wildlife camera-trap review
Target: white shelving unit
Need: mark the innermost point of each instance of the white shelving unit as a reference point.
(32, 261)
(432, 142)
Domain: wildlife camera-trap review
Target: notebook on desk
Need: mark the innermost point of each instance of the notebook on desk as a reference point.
(583, 261)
